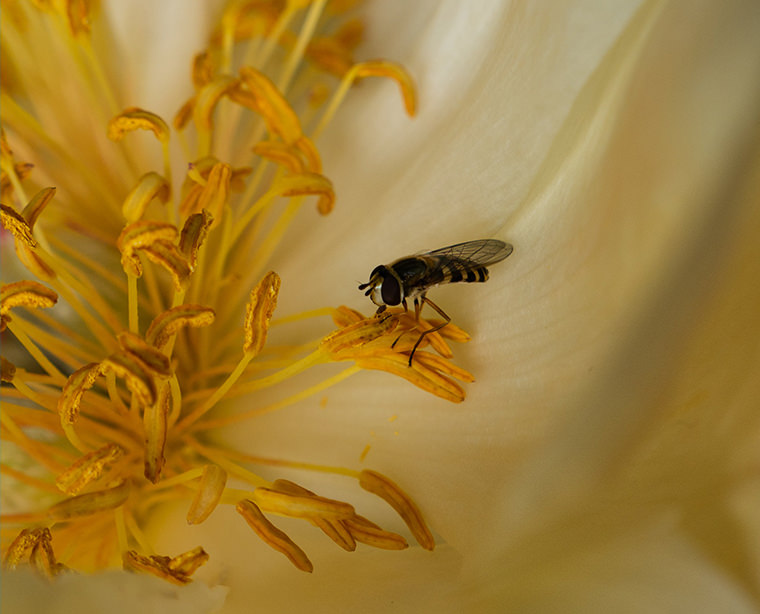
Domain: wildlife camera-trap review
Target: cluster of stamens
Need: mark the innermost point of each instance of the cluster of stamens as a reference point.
(115, 407)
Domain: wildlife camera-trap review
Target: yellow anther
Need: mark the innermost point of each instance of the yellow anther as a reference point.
(16, 224)
(155, 420)
(343, 316)
(205, 103)
(89, 503)
(176, 570)
(387, 489)
(358, 333)
(150, 186)
(367, 532)
(8, 370)
(29, 294)
(258, 313)
(134, 118)
(203, 70)
(71, 396)
(272, 536)
(216, 192)
(209, 493)
(300, 505)
(21, 169)
(35, 206)
(172, 259)
(450, 331)
(306, 185)
(332, 527)
(34, 262)
(281, 153)
(383, 68)
(88, 468)
(398, 364)
(42, 557)
(166, 325)
(188, 562)
(150, 357)
(139, 235)
(137, 379)
(20, 546)
(184, 115)
(267, 101)
(442, 365)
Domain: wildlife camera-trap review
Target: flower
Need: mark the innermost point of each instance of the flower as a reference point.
(607, 461)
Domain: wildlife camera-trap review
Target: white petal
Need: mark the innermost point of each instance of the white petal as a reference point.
(116, 591)
(155, 43)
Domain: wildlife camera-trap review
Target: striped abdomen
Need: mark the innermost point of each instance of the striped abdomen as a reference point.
(456, 273)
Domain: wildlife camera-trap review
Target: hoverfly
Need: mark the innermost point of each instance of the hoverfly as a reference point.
(413, 276)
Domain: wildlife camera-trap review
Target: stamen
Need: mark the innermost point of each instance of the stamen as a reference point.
(29, 294)
(209, 493)
(272, 536)
(259, 313)
(176, 570)
(139, 235)
(367, 532)
(167, 324)
(88, 468)
(89, 503)
(151, 186)
(193, 234)
(385, 488)
(155, 420)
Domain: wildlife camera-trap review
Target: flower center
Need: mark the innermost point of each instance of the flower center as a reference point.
(115, 398)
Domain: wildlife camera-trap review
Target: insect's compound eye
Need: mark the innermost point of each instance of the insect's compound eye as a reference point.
(390, 290)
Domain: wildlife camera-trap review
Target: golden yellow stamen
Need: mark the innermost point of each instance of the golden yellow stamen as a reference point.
(36, 545)
(259, 311)
(139, 235)
(151, 186)
(387, 489)
(168, 323)
(135, 375)
(16, 224)
(89, 503)
(209, 493)
(288, 504)
(367, 532)
(215, 193)
(88, 468)
(155, 422)
(169, 256)
(176, 570)
(272, 536)
(29, 294)
(193, 234)
(134, 118)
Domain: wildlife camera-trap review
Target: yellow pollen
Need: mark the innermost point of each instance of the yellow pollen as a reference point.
(122, 374)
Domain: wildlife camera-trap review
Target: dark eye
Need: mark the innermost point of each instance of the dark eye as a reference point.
(390, 290)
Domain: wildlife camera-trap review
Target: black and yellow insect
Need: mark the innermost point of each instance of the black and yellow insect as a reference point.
(411, 277)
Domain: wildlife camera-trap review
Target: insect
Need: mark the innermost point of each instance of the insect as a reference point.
(411, 277)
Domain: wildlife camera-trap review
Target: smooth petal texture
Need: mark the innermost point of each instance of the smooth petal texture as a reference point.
(118, 592)
(157, 41)
(594, 338)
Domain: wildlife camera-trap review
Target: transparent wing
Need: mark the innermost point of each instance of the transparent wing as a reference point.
(475, 253)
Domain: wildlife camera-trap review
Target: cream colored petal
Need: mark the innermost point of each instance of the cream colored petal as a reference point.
(633, 257)
(155, 42)
(114, 591)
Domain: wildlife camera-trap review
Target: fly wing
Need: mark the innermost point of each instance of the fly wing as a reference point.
(475, 253)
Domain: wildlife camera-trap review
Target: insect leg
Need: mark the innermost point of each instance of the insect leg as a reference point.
(440, 311)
